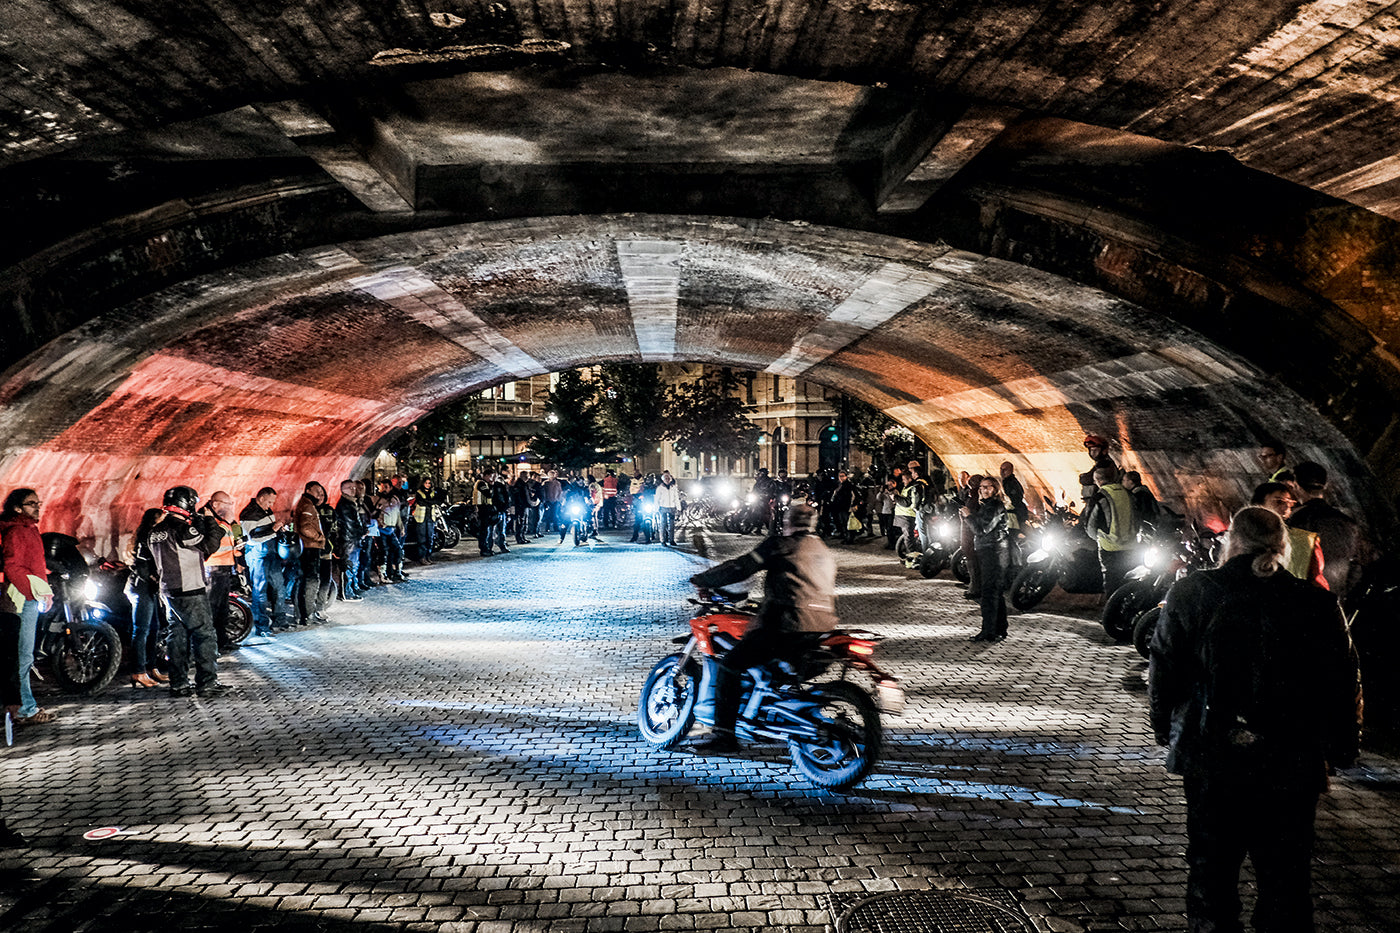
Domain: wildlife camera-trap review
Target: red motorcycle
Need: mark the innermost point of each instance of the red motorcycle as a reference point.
(832, 727)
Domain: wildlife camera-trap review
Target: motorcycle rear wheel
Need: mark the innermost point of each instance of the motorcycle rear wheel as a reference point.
(1128, 602)
(903, 547)
(848, 722)
(87, 657)
(1031, 586)
(666, 710)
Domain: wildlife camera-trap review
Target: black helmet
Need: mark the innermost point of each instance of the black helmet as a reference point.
(182, 497)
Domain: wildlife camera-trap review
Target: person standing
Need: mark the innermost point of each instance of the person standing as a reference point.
(1146, 508)
(842, 504)
(306, 519)
(1254, 690)
(991, 544)
(389, 510)
(1015, 493)
(520, 502)
(500, 509)
(609, 517)
(1305, 560)
(221, 563)
(1337, 532)
(25, 592)
(1096, 446)
(350, 532)
(485, 512)
(260, 528)
(180, 543)
(425, 512)
(143, 592)
(668, 503)
(1111, 523)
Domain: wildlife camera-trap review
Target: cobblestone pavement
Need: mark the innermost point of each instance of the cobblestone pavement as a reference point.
(459, 753)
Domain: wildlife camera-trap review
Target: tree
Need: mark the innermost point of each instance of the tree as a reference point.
(704, 419)
(571, 431)
(632, 408)
(419, 449)
(888, 442)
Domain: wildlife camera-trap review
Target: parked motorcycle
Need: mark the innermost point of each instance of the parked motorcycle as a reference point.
(1063, 556)
(446, 535)
(1146, 584)
(832, 728)
(81, 655)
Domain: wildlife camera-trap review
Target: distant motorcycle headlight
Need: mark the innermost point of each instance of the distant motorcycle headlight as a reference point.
(946, 532)
(90, 591)
(734, 504)
(575, 511)
(749, 498)
(783, 500)
(1153, 558)
(651, 508)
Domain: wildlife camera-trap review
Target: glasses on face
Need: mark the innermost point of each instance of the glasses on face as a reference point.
(30, 504)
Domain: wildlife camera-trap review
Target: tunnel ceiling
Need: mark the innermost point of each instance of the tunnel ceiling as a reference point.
(249, 241)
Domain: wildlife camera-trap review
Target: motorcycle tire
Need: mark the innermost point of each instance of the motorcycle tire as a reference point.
(932, 565)
(1143, 629)
(666, 710)
(961, 568)
(1121, 610)
(1031, 586)
(848, 722)
(240, 621)
(87, 657)
(449, 537)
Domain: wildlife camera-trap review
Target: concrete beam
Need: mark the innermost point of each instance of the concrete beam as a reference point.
(946, 154)
(336, 154)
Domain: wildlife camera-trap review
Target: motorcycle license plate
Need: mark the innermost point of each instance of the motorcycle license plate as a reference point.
(890, 696)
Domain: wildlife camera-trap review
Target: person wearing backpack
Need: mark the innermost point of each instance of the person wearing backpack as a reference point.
(1254, 690)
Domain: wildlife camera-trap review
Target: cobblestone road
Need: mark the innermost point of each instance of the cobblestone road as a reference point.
(459, 754)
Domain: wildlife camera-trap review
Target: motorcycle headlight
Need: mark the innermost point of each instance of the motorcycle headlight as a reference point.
(749, 498)
(1153, 558)
(90, 591)
(651, 508)
(1051, 539)
(946, 532)
(783, 500)
(734, 504)
(724, 489)
(575, 510)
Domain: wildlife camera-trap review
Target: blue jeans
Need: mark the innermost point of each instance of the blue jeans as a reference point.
(265, 580)
(143, 615)
(393, 553)
(28, 629)
(350, 572)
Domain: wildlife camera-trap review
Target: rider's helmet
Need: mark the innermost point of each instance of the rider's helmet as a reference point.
(181, 497)
(800, 518)
(762, 471)
(1095, 440)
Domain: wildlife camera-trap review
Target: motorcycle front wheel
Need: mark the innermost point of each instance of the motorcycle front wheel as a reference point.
(961, 569)
(932, 564)
(1144, 627)
(449, 536)
(87, 657)
(1128, 602)
(666, 711)
(848, 737)
(240, 621)
(1031, 586)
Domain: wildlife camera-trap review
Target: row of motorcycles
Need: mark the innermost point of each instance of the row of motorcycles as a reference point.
(1057, 552)
(85, 637)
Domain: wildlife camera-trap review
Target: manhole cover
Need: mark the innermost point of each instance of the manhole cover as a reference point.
(930, 912)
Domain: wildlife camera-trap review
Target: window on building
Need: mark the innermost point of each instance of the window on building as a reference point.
(777, 388)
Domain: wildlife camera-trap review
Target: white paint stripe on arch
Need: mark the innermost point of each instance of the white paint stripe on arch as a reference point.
(651, 271)
(884, 293)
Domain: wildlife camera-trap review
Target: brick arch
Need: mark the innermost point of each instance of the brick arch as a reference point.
(301, 366)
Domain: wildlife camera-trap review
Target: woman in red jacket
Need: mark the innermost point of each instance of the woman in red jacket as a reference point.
(25, 591)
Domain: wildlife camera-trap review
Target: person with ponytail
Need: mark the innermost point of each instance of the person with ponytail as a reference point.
(1254, 691)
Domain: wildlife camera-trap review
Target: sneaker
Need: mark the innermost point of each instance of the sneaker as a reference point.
(353, 599)
(213, 690)
(253, 641)
(185, 690)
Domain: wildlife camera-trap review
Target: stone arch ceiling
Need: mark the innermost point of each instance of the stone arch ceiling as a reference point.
(247, 241)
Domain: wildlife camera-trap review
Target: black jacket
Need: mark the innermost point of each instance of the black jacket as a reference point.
(351, 523)
(989, 525)
(1253, 673)
(799, 590)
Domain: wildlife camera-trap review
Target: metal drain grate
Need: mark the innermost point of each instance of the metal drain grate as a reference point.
(928, 912)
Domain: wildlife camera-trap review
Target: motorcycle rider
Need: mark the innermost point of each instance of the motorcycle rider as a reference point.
(180, 543)
(1096, 446)
(645, 495)
(799, 601)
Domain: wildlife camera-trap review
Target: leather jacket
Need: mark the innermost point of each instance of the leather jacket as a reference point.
(799, 590)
